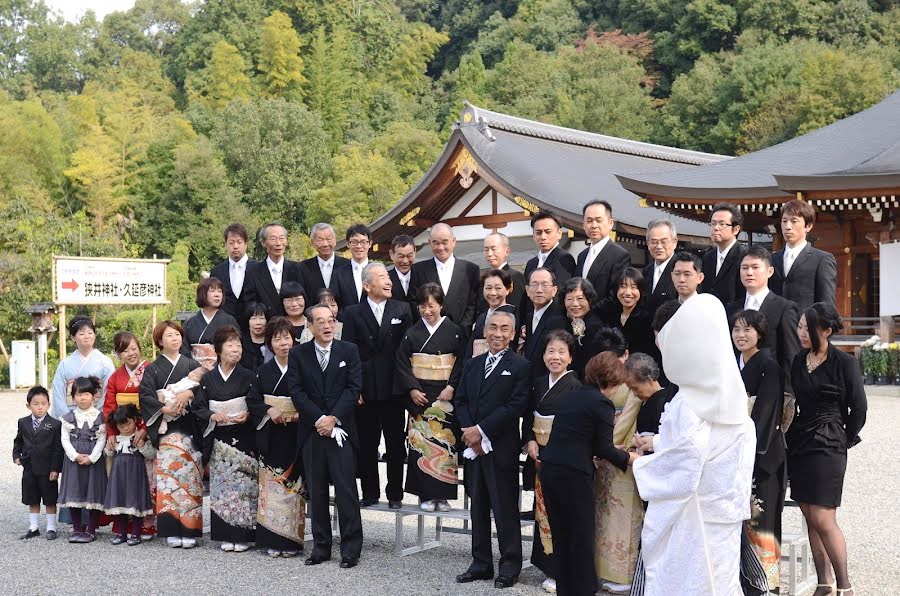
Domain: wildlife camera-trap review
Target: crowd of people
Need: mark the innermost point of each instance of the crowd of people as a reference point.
(660, 411)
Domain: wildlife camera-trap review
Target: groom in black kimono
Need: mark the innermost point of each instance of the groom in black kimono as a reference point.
(324, 379)
(491, 397)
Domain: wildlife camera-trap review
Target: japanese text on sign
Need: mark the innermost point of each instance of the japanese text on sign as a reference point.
(80, 280)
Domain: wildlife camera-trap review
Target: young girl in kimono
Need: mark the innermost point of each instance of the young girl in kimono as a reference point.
(83, 470)
(128, 493)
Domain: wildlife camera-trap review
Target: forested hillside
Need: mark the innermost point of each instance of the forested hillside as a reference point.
(146, 133)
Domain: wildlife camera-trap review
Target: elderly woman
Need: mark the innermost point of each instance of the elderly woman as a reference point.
(221, 403)
(697, 482)
(85, 361)
(578, 297)
(582, 431)
(831, 410)
(199, 329)
(496, 285)
(643, 380)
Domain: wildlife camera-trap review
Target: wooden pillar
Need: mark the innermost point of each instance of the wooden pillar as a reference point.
(844, 292)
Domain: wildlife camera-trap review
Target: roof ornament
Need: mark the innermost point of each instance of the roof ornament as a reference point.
(471, 117)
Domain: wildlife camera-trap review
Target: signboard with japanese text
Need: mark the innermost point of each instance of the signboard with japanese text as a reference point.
(87, 280)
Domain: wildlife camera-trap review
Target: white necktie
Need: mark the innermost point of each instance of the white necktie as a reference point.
(541, 258)
(326, 273)
(719, 263)
(378, 308)
(357, 280)
(788, 261)
(276, 278)
(237, 278)
(404, 281)
(752, 303)
(589, 260)
(657, 273)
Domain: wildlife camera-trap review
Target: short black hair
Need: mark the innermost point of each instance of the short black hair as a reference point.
(80, 322)
(236, 229)
(224, 334)
(605, 205)
(124, 413)
(85, 385)
(821, 316)
(430, 290)
(560, 335)
(256, 308)
(36, 390)
(577, 283)
(278, 325)
(665, 312)
(755, 319)
(402, 240)
(544, 214)
(503, 275)
(758, 251)
(737, 218)
(361, 229)
(689, 257)
(291, 289)
(636, 277)
(610, 339)
(545, 270)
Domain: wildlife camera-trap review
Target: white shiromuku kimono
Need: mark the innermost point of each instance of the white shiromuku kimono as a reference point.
(698, 479)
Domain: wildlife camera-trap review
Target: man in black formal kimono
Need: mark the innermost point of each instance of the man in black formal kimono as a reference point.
(347, 280)
(781, 315)
(491, 397)
(264, 278)
(803, 274)
(403, 255)
(377, 325)
(603, 260)
(496, 253)
(458, 278)
(324, 379)
(318, 271)
(661, 242)
(722, 262)
(546, 229)
(544, 314)
(232, 272)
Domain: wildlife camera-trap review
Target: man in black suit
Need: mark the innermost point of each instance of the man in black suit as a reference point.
(781, 315)
(490, 399)
(403, 255)
(232, 272)
(264, 278)
(377, 326)
(496, 253)
(347, 281)
(803, 274)
(602, 261)
(459, 279)
(722, 262)
(319, 270)
(324, 379)
(544, 315)
(546, 229)
(661, 242)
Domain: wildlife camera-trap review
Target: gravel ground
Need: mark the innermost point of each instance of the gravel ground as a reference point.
(869, 517)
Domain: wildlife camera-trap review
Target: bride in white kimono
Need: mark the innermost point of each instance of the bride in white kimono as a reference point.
(698, 479)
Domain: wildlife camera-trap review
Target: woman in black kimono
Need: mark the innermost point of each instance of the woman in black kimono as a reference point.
(578, 297)
(765, 388)
(199, 329)
(281, 516)
(496, 284)
(221, 402)
(830, 412)
(537, 425)
(256, 352)
(429, 366)
(293, 297)
(174, 431)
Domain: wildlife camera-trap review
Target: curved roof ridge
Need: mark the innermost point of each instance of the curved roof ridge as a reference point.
(474, 116)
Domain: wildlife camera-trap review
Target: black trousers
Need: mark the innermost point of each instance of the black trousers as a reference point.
(492, 482)
(325, 462)
(372, 420)
(569, 498)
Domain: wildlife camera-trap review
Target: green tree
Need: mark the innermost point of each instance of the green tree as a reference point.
(279, 57)
(32, 154)
(329, 81)
(222, 80)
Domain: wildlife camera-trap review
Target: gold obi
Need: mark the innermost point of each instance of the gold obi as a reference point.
(433, 367)
(542, 426)
(282, 402)
(123, 399)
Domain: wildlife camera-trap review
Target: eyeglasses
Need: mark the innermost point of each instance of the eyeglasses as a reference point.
(540, 286)
(721, 224)
(663, 242)
(357, 243)
(294, 300)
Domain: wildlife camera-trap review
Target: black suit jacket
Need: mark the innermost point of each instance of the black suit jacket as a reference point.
(234, 305)
(533, 350)
(397, 292)
(312, 275)
(332, 392)
(377, 345)
(516, 297)
(726, 286)
(782, 342)
(605, 268)
(344, 286)
(39, 451)
(812, 278)
(259, 287)
(460, 301)
(497, 402)
(665, 287)
(560, 262)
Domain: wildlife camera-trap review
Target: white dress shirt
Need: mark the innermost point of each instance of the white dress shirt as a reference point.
(790, 255)
(236, 272)
(753, 302)
(275, 270)
(723, 254)
(658, 269)
(404, 280)
(377, 308)
(542, 256)
(326, 268)
(593, 251)
(357, 276)
(445, 272)
(536, 317)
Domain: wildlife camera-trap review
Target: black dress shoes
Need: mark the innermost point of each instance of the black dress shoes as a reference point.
(526, 515)
(367, 502)
(348, 563)
(51, 535)
(30, 534)
(395, 504)
(471, 576)
(314, 560)
(505, 581)
(118, 539)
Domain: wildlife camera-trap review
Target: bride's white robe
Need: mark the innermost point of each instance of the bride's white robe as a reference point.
(697, 483)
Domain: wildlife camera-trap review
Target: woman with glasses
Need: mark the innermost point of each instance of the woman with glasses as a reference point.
(577, 297)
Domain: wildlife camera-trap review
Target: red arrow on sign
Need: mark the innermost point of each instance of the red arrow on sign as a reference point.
(70, 285)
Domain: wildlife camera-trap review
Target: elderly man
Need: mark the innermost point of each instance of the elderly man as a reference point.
(458, 278)
(319, 270)
(496, 253)
(403, 255)
(264, 279)
(661, 241)
(492, 395)
(377, 326)
(232, 272)
(602, 261)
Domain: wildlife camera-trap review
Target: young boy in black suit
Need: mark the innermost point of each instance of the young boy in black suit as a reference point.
(38, 449)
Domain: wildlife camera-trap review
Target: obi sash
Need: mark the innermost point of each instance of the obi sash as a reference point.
(231, 407)
(282, 402)
(542, 426)
(205, 354)
(432, 367)
(123, 399)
